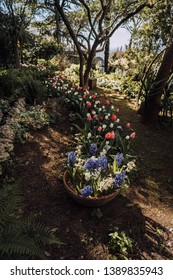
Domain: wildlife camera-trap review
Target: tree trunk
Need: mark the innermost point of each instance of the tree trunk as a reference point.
(57, 31)
(152, 102)
(81, 77)
(106, 56)
(89, 63)
(16, 55)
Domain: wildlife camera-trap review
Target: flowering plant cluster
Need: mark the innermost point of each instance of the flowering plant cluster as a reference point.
(94, 174)
(100, 162)
(100, 122)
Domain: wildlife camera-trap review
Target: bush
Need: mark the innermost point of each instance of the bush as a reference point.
(24, 82)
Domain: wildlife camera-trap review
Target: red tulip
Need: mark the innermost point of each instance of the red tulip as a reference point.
(113, 118)
(107, 102)
(110, 135)
(88, 104)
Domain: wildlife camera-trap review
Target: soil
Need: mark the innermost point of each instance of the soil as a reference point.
(145, 214)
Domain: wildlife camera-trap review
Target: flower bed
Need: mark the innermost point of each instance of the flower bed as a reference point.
(100, 160)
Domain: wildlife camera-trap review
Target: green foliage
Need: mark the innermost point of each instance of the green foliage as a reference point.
(34, 117)
(21, 237)
(10, 83)
(120, 245)
(48, 49)
(22, 82)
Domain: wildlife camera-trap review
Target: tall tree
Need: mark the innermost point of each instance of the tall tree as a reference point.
(153, 100)
(19, 14)
(159, 31)
(97, 32)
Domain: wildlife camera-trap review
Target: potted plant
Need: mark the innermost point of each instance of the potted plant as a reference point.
(93, 177)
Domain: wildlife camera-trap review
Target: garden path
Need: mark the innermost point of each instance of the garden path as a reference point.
(145, 215)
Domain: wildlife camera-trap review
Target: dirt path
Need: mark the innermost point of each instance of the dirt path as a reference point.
(146, 214)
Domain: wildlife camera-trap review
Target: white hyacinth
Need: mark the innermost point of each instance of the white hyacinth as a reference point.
(105, 184)
(87, 176)
(130, 166)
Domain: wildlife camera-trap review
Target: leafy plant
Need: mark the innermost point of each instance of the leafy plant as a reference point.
(21, 237)
(120, 245)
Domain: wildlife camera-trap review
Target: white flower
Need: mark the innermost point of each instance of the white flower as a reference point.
(130, 165)
(106, 117)
(107, 142)
(89, 135)
(127, 137)
(88, 114)
(103, 153)
(103, 107)
(118, 120)
(111, 125)
(105, 184)
(104, 126)
(112, 107)
(87, 176)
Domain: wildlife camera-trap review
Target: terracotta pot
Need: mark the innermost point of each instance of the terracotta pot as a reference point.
(88, 201)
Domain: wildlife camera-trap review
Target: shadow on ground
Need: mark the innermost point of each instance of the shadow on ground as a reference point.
(39, 164)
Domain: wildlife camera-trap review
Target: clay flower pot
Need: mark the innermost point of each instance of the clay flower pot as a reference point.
(88, 201)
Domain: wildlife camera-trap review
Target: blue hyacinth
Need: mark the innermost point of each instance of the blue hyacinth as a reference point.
(119, 159)
(119, 178)
(86, 191)
(91, 164)
(102, 162)
(71, 158)
(93, 149)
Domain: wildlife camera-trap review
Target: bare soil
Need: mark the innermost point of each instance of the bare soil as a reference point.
(145, 214)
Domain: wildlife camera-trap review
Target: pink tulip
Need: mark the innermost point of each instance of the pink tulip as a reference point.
(133, 135)
(128, 125)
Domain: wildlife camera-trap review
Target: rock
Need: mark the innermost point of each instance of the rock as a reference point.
(7, 131)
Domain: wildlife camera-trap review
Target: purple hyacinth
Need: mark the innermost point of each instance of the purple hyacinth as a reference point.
(119, 159)
(71, 158)
(93, 149)
(119, 178)
(102, 162)
(86, 191)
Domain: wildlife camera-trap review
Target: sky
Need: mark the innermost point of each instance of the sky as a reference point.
(120, 38)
